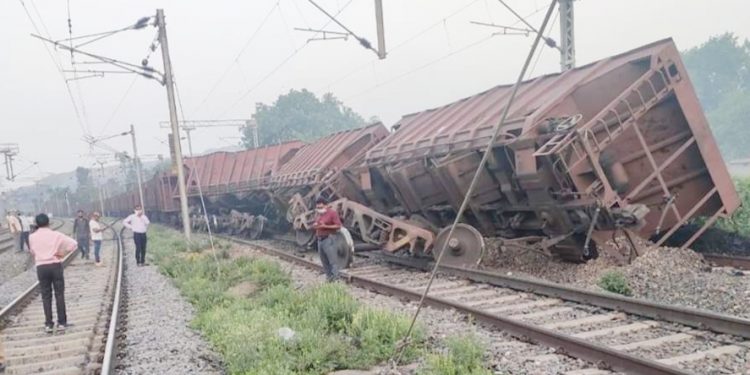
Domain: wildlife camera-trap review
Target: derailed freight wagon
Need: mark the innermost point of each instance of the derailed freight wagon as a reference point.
(620, 144)
(234, 187)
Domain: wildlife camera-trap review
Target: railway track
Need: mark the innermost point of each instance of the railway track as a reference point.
(6, 240)
(92, 296)
(618, 333)
(741, 263)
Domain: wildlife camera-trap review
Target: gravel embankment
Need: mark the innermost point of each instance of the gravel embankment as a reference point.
(158, 337)
(505, 354)
(13, 263)
(664, 274)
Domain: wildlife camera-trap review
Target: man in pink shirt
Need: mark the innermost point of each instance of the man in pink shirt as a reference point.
(49, 248)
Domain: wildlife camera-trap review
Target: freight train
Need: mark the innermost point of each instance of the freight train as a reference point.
(616, 147)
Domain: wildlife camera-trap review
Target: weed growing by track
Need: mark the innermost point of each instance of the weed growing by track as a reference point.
(463, 356)
(270, 327)
(615, 282)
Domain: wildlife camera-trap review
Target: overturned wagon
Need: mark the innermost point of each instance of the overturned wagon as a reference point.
(620, 144)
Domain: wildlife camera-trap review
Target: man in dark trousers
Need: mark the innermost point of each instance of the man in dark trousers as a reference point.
(49, 247)
(82, 233)
(327, 223)
(138, 222)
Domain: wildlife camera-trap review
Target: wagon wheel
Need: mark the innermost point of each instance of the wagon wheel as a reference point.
(304, 237)
(464, 248)
(342, 257)
(256, 228)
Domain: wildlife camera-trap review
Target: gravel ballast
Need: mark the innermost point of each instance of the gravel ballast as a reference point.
(158, 337)
(664, 274)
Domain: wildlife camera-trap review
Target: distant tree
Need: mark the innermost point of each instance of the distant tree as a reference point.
(300, 115)
(720, 72)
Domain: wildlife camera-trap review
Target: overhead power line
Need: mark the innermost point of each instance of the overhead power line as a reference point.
(239, 54)
(58, 65)
(275, 69)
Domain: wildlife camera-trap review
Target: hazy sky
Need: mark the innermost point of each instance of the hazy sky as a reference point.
(435, 56)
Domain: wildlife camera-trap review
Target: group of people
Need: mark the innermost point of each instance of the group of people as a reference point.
(49, 248)
(20, 227)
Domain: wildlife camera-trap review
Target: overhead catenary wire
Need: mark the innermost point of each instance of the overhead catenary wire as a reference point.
(149, 52)
(413, 37)
(242, 50)
(59, 67)
(541, 50)
(281, 64)
(475, 178)
(423, 66)
(73, 66)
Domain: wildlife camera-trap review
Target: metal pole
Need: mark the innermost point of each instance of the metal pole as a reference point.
(67, 203)
(137, 167)
(190, 141)
(101, 187)
(567, 36)
(381, 29)
(173, 120)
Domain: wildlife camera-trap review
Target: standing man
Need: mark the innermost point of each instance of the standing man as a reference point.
(82, 234)
(326, 225)
(49, 248)
(138, 223)
(97, 230)
(25, 229)
(14, 226)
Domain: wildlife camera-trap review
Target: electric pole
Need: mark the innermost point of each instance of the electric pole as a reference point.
(137, 162)
(567, 36)
(9, 150)
(169, 82)
(101, 185)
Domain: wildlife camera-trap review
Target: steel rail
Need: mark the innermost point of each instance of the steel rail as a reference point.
(742, 263)
(578, 348)
(110, 349)
(696, 318)
(18, 301)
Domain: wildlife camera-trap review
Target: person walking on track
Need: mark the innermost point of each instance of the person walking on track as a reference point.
(327, 223)
(97, 229)
(49, 247)
(82, 234)
(25, 229)
(138, 223)
(14, 226)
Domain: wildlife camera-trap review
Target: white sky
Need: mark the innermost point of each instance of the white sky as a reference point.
(435, 56)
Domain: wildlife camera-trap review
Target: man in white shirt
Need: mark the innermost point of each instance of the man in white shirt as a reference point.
(25, 229)
(97, 230)
(138, 222)
(14, 226)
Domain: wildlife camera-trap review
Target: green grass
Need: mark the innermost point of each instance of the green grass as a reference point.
(463, 356)
(615, 282)
(331, 329)
(739, 222)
